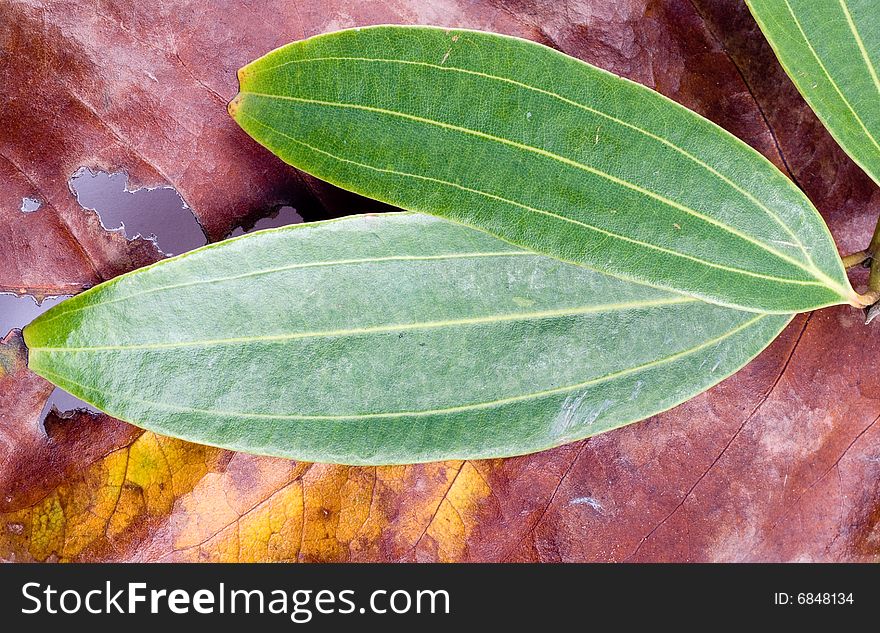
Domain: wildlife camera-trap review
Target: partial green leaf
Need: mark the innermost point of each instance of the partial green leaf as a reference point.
(831, 51)
(548, 153)
(385, 339)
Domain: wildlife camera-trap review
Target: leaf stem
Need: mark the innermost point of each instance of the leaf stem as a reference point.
(872, 255)
(874, 246)
(874, 277)
(853, 260)
(866, 300)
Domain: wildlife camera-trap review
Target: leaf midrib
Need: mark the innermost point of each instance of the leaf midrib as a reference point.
(280, 269)
(821, 279)
(760, 205)
(429, 412)
(394, 327)
(861, 44)
(828, 75)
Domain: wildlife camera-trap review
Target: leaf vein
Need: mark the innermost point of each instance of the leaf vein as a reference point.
(861, 44)
(748, 195)
(269, 271)
(396, 327)
(828, 75)
(441, 411)
(556, 216)
(827, 281)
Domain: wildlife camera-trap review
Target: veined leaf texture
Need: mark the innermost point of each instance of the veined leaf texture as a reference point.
(385, 339)
(831, 51)
(548, 153)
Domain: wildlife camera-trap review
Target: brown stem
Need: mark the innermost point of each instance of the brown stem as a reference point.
(873, 295)
(866, 300)
(874, 277)
(871, 253)
(851, 261)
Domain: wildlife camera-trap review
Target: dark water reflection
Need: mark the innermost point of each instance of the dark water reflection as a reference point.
(158, 214)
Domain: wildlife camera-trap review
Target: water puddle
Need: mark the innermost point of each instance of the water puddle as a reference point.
(16, 311)
(157, 214)
(30, 205)
(65, 406)
(282, 217)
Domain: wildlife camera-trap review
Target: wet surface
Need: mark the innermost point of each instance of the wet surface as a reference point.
(64, 405)
(282, 217)
(16, 311)
(158, 214)
(30, 205)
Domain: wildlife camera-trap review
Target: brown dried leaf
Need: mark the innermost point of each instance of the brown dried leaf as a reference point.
(780, 462)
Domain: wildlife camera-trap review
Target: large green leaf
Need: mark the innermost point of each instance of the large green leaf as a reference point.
(385, 339)
(548, 153)
(831, 51)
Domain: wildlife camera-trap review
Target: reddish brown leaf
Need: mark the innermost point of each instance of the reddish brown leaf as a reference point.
(780, 462)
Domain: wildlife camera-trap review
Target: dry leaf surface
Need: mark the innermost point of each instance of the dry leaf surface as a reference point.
(779, 462)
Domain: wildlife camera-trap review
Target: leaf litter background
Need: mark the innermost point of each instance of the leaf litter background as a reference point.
(779, 462)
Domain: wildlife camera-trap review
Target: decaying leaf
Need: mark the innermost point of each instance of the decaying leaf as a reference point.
(779, 462)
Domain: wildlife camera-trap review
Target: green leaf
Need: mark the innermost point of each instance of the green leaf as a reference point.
(831, 51)
(548, 153)
(385, 339)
